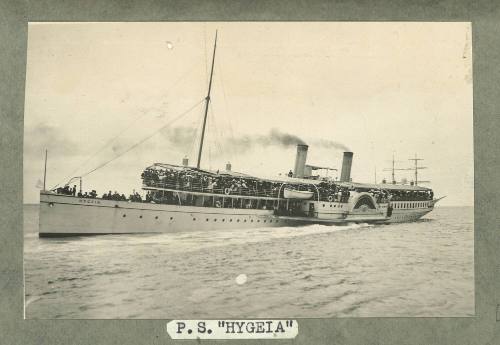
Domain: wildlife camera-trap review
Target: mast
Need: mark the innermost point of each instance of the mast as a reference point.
(45, 170)
(393, 179)
(393, 169)
(207, 101)
(415, 160)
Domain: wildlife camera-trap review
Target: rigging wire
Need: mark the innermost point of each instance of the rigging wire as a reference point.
(146, 138)
(134, 121)
(231, 151)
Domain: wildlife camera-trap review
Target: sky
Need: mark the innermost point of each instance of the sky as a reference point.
(122, 96)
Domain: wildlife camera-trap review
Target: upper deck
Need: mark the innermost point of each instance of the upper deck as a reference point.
(169, 177)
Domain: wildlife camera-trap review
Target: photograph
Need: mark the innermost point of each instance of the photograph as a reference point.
(190, 170)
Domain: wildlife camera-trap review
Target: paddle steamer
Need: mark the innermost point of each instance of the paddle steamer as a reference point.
(184, 198)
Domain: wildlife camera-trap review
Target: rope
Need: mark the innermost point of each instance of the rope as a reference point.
(145, 139)
(231, 151)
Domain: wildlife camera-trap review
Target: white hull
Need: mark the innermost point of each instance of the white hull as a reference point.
(67, 215)
(407, 216)
(62, 215)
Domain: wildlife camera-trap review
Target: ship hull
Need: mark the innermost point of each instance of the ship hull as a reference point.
(408, 215)
(62, 215)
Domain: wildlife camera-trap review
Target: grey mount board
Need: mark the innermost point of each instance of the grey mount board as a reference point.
(485, 17)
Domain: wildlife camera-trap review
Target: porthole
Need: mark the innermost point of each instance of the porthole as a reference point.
(140, 216)
(330, 205)
(124, 215)
(323, 205)
(244, 220)
(194, 219)
(238, 220)
(215, 219)
(264, 220)
(230, 220)
(171, 218)
(207, 219)
(223, 220)
(251, 220)
(156, 217)
(258, 220)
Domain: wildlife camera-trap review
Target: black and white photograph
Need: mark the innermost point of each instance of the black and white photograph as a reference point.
(209, 170)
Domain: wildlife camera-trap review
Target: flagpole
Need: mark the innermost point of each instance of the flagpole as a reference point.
(45, 170)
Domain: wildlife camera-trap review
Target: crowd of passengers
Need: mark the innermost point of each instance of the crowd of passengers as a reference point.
(201, 182)
(191, 180)
(67, 190)
(411, 195)
(226, 184)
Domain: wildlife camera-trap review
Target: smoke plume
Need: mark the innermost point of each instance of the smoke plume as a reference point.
(330, 144)
(278, 138)
(181, 137)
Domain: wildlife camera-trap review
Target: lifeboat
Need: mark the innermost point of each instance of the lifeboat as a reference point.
(297, 194)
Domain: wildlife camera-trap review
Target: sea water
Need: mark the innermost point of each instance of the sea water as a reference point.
(424, 268)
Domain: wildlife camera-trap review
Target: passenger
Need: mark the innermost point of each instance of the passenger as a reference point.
(290, 173)
(138, 197)
(74, 190)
